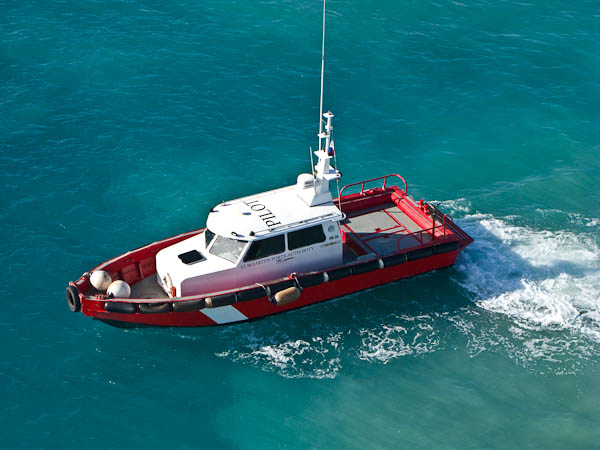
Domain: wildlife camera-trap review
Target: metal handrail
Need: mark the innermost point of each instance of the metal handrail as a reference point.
(384, 178)
(432, 229)
(446, 216)
(437, 214)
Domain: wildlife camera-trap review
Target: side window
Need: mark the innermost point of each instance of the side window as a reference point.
(265, 247)
(305, 237)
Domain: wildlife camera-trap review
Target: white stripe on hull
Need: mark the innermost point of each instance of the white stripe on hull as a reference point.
(224, 314)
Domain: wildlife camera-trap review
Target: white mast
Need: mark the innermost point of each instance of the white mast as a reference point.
(322, 75)
(322, 172)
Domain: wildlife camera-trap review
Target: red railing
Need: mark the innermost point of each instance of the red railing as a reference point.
(384, 178)
(435, 215)
(446, 216)
(419, 238)
(430, 210)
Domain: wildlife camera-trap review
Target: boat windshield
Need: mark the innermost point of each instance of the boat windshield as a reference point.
(208, 237)
(227, 248)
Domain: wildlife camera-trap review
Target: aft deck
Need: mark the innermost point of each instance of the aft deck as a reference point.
(383, 231)
(388, 228)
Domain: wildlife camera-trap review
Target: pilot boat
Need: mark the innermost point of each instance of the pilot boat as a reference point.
(275, 251)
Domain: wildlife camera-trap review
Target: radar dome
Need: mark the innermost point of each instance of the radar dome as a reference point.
(100, 280)
(119, 289)
(304, 181)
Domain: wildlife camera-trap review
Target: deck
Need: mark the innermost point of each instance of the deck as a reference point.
(147, 288)
(384, 230)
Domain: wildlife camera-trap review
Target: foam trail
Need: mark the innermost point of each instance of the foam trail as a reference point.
(402, 336)
(319, 351)
(307, 357)
(542, 279)
(571, 218)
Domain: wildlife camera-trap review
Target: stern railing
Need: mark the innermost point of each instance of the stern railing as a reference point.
(436, 215)
(384, 178)
(418, 235)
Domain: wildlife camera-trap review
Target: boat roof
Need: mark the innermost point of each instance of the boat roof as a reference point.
(268, 213)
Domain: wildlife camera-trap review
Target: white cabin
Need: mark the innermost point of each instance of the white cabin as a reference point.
(259, 238)
(252, 240)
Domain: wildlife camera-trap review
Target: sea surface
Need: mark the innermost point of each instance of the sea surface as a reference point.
(123, 122)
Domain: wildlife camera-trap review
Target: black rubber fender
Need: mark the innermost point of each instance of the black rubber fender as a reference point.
(394, 260)
(418, 254)
(189, 305)
(251, 294)
(366, 267)
(311, 280)
(445, 248)
(154, 308)
(223, 300)
(73, 301)
(282, 285)
(338, 274)
(120, 307)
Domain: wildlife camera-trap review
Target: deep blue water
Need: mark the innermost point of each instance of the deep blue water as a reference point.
(123, 122)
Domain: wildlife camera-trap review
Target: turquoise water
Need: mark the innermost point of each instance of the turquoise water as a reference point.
(124, 122)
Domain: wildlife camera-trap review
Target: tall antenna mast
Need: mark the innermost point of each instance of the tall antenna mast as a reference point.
(322, 73)
(322, 172)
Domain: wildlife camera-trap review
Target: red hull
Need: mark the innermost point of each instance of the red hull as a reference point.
(439, 250)
(263, 307)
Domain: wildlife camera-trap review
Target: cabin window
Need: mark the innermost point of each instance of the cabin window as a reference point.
(305, 237)
(227, 248)
(208, 237)
(265, 247)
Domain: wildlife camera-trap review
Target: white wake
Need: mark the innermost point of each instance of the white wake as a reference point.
(543, 280)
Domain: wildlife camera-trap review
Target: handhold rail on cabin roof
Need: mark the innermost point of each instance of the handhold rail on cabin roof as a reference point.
(384, 178)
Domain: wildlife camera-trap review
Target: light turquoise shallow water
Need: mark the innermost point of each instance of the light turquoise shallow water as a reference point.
(123, 122)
